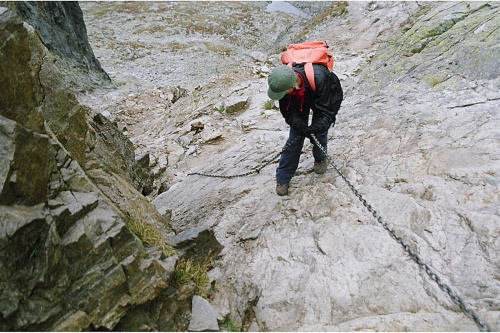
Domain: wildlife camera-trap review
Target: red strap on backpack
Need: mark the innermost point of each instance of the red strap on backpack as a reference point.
(308, 53)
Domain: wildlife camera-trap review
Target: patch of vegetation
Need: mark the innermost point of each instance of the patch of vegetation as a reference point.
(337, 8)
(174, 46)
(11, 5)
(219, 49)
(230, 326)
(132, 7)
(155, 28)
(199, 25)
(64, 143)
(135, 45)
(268, 105)
(150, 236)
(196, 271)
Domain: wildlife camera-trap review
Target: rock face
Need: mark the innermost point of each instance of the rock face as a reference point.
(418, 135)
(62, 30)
(66, 249)
(27, 93)
(463, 41)
(204, 318)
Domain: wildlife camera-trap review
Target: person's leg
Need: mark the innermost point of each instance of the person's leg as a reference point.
(289, 160)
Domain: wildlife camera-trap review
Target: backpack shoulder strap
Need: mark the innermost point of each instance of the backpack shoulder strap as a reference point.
(308, 68)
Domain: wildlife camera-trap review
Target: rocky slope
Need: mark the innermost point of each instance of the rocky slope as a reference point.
(417, 135)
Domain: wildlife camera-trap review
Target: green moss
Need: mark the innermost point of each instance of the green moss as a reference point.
(436, 32)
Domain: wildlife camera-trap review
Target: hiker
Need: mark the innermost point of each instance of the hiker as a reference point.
(292, 88)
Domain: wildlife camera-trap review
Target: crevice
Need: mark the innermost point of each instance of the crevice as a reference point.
(42, 87)
(465, 105)
(249, 315)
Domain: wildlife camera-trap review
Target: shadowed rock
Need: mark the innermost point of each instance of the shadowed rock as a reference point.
(65, 247)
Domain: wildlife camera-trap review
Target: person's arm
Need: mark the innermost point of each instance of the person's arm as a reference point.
(289, 111)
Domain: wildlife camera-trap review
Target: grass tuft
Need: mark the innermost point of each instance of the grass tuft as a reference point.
(191, 270)
(150, 236)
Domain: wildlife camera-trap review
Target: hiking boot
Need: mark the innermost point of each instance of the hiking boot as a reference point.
(320, 167)
(282, 188)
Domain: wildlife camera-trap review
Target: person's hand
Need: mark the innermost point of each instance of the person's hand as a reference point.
(300, 127)
(313, 129)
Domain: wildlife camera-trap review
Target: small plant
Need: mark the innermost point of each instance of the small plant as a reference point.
(222, 108)
(150, 236)
(268, 105)
(168, 250)
(230, 326)
(190, 270)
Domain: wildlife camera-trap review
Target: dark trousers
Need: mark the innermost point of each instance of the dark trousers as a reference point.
(289, 161)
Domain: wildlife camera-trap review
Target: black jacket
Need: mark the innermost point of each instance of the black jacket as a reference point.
(325, 101)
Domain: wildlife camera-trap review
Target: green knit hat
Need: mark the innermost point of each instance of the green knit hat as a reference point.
(280, 80)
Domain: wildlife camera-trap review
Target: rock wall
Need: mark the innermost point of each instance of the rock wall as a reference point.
(68, 260)
(62, 30)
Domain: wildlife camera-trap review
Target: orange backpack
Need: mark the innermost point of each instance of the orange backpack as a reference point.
(308, 53)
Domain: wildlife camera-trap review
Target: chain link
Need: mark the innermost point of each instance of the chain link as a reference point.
(481, 324)
(257, 170)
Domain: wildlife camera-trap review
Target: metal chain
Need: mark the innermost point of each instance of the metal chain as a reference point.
(481, 324)
(257, 170)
